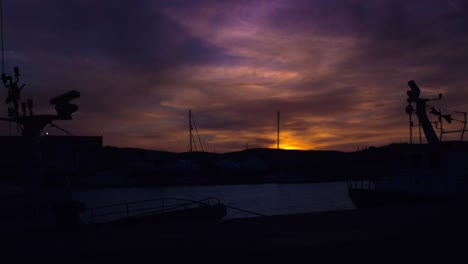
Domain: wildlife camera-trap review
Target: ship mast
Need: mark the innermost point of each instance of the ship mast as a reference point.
(3, 56)
(413, 96)
(28, 123)
(190, 129)
(1, 35)
(278, 134)
(193, 142)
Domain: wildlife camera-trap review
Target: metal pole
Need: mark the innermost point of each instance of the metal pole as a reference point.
(190, 129)
(278, 139)
(464, 127)
(3, 57)
(441, 125)
(411, 129)
(1, 32)
(420, 136)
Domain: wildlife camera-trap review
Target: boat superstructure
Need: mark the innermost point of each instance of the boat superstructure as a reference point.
(412, 173)
(38, 168)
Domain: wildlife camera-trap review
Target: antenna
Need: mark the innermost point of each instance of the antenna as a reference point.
(3, 57)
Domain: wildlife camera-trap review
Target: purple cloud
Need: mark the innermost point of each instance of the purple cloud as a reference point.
(337, 70)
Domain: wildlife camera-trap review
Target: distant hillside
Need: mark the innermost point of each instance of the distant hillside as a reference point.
(130, 166)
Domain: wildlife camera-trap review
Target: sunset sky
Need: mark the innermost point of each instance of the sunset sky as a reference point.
(337, 70)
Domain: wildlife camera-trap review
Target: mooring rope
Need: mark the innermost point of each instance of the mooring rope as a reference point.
(245, 211)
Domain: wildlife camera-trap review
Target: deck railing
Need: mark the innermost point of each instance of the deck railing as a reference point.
(366, 183)
(101, 214)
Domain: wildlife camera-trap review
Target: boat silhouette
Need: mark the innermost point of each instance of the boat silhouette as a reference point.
(401, 174)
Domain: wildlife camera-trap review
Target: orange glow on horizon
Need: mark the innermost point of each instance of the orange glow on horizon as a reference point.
(293, 147)
(290, 141)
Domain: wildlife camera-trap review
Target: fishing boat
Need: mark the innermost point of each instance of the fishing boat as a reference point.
(41, 167)
(38, 168)
(413, 173)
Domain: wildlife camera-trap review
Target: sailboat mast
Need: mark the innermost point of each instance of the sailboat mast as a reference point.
(278, 134)
(190, 129)
(1, 33)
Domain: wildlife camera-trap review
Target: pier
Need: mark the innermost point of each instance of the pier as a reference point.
(423, 234)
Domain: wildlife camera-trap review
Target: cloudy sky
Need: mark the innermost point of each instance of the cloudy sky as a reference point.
(337, 70)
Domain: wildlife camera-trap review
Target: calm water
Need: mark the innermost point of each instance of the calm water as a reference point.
(268, 199)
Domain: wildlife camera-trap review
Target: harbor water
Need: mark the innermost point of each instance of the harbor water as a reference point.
(266, 199)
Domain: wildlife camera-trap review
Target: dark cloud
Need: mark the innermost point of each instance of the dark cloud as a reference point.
(118, 54)
(133, 33)
(401, 35)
